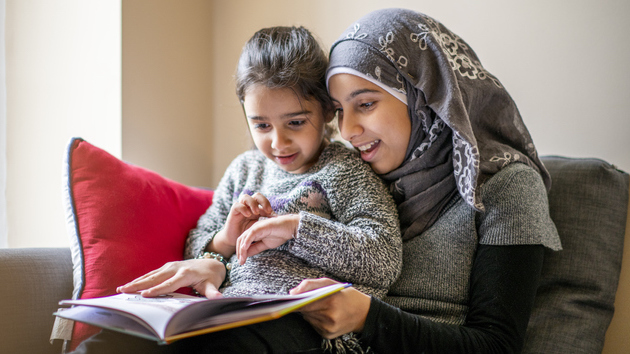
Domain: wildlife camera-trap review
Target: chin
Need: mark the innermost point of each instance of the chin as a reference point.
(381, 170)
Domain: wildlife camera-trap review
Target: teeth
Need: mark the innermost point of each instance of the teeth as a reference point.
(367, 146)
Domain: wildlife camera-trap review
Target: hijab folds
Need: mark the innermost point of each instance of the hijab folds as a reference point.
(464, 124)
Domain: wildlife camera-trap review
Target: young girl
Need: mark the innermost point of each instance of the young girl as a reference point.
(325, 211)
(297, 207)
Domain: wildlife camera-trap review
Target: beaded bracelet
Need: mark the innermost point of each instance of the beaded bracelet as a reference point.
(218, 257)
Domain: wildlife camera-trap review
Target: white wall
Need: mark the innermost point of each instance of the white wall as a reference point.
(565, 62)
(63, 80)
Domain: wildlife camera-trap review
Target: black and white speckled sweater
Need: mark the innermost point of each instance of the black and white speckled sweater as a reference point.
(348, 230)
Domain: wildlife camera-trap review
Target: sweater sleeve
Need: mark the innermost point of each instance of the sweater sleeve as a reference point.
(502, 295)
(214, 218)
(362, 243)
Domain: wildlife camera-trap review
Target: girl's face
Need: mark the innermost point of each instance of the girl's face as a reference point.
(374, 121)
(286, 128)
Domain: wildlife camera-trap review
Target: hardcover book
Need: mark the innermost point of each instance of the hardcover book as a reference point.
(175, 316)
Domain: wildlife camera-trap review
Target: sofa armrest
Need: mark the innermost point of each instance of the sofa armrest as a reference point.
(33, 281)
(574, 305)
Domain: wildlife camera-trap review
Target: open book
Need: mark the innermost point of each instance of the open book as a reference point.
(175, 316)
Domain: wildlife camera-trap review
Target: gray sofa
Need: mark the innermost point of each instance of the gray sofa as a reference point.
(574, 306)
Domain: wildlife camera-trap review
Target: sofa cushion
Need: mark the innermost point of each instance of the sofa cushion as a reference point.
(123, 221)
(588, 202)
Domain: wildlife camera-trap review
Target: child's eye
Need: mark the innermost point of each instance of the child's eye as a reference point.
(296, 123)
(261, 126)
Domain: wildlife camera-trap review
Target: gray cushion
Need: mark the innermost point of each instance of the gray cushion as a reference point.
(588, 202)
(33, 281)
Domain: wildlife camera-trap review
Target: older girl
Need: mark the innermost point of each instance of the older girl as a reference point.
(414, 99)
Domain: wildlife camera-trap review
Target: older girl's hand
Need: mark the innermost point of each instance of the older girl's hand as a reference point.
(338, 314)
(204, 275)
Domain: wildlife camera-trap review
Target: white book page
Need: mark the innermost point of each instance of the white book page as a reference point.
(156, 312)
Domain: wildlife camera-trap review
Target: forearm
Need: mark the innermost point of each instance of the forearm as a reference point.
(503, 286)
(208, 226)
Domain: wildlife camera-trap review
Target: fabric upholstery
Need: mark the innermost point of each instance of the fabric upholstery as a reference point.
(33, 281)
(588, 202)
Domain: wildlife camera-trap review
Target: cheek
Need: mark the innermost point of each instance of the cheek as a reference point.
(259, 141)
(400, 134)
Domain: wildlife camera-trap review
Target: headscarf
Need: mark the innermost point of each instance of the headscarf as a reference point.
(465, 126)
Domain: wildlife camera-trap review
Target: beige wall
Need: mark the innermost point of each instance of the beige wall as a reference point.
(167, 88)
(564, 62)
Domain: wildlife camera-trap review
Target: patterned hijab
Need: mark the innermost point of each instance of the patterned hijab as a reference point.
(465, 126)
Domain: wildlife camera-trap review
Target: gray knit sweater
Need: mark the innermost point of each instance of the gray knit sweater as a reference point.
(348, 230)
(438, 263)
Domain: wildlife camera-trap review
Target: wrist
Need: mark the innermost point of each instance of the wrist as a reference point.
(363, 302)
(220, 245)
(218, 257)
(216, 274)
(295, 223)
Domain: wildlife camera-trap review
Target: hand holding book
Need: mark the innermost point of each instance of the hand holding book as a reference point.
(334, 316)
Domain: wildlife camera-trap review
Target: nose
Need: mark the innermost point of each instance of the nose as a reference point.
(281, 140)
(349, 126)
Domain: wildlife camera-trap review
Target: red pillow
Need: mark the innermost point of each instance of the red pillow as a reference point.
(123, 220)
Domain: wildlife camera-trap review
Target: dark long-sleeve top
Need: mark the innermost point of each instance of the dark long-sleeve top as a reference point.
(468, 282)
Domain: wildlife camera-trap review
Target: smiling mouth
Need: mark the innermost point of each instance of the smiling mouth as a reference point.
(286, 159)
(366, 148)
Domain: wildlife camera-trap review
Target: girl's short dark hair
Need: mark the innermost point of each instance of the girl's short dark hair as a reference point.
(284, 57)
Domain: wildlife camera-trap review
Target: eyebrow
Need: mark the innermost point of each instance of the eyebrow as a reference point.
(358, 92)
(284, 116)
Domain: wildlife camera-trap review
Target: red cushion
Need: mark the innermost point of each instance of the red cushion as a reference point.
(124, 221)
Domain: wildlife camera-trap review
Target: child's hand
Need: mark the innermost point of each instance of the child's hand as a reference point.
(204, 275)
(266, 234)
(242, 216)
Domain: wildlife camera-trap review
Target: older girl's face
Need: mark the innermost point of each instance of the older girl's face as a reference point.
(372, 120)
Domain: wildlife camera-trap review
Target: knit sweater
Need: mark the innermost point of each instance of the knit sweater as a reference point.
(348, 228)
(460, 290)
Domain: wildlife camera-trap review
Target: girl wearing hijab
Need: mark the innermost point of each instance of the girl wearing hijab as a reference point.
(447, 137)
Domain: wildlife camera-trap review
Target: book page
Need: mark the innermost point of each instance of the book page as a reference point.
(155, 312)
(110, 319)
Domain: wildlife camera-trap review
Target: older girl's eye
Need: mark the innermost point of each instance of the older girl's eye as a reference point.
(338, 112)
(367, 105)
